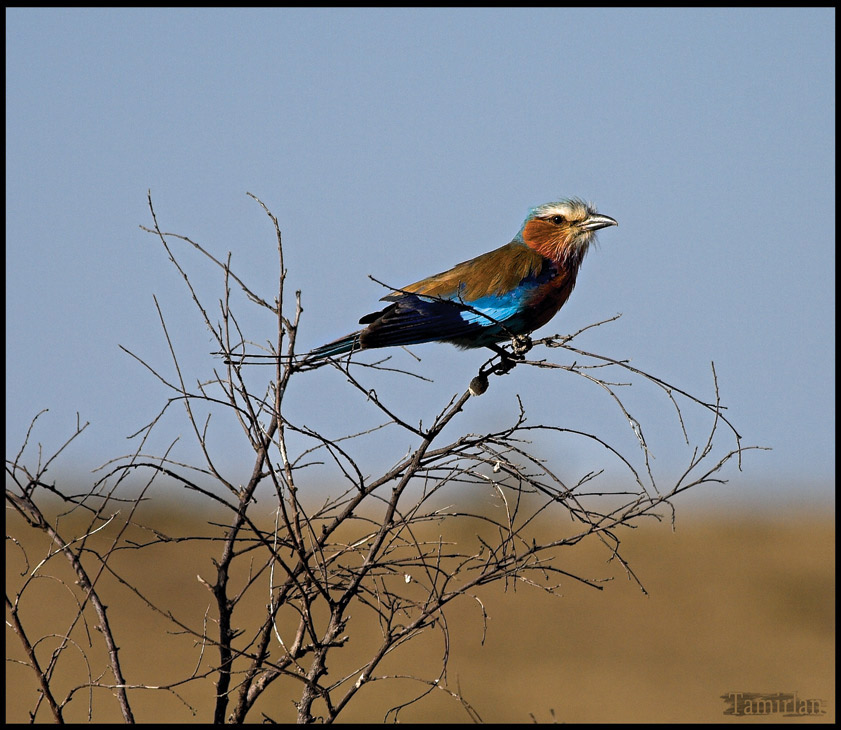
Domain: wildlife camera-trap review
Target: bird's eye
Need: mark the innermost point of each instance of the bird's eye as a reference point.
(558, 220)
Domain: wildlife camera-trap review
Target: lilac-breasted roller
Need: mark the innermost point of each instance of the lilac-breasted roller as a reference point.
(492, 298)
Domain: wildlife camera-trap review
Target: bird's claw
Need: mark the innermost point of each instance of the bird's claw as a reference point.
(506, 363)
(520, 345)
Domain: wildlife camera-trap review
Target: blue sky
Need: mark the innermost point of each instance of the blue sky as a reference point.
(396, 143)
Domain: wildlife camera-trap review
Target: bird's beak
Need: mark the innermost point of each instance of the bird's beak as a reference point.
(596, 221)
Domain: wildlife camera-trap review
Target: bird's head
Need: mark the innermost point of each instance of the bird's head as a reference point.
(563, 231)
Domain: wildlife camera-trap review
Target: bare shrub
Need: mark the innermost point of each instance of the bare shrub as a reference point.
(292, 583)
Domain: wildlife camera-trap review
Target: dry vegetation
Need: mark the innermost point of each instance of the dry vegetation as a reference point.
(463, 582)
(736, 603)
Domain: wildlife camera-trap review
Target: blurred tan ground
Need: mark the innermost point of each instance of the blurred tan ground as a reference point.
(737, 603)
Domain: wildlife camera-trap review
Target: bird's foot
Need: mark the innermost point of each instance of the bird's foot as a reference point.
(508, 359)
(520, 345)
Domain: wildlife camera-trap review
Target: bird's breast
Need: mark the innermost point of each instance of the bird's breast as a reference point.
(549, 297)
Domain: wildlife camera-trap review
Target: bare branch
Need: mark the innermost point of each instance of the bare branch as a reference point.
(392, 548)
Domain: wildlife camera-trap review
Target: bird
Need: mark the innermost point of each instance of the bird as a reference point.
(498, 296)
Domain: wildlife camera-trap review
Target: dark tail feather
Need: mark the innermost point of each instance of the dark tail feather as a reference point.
(349, 343)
